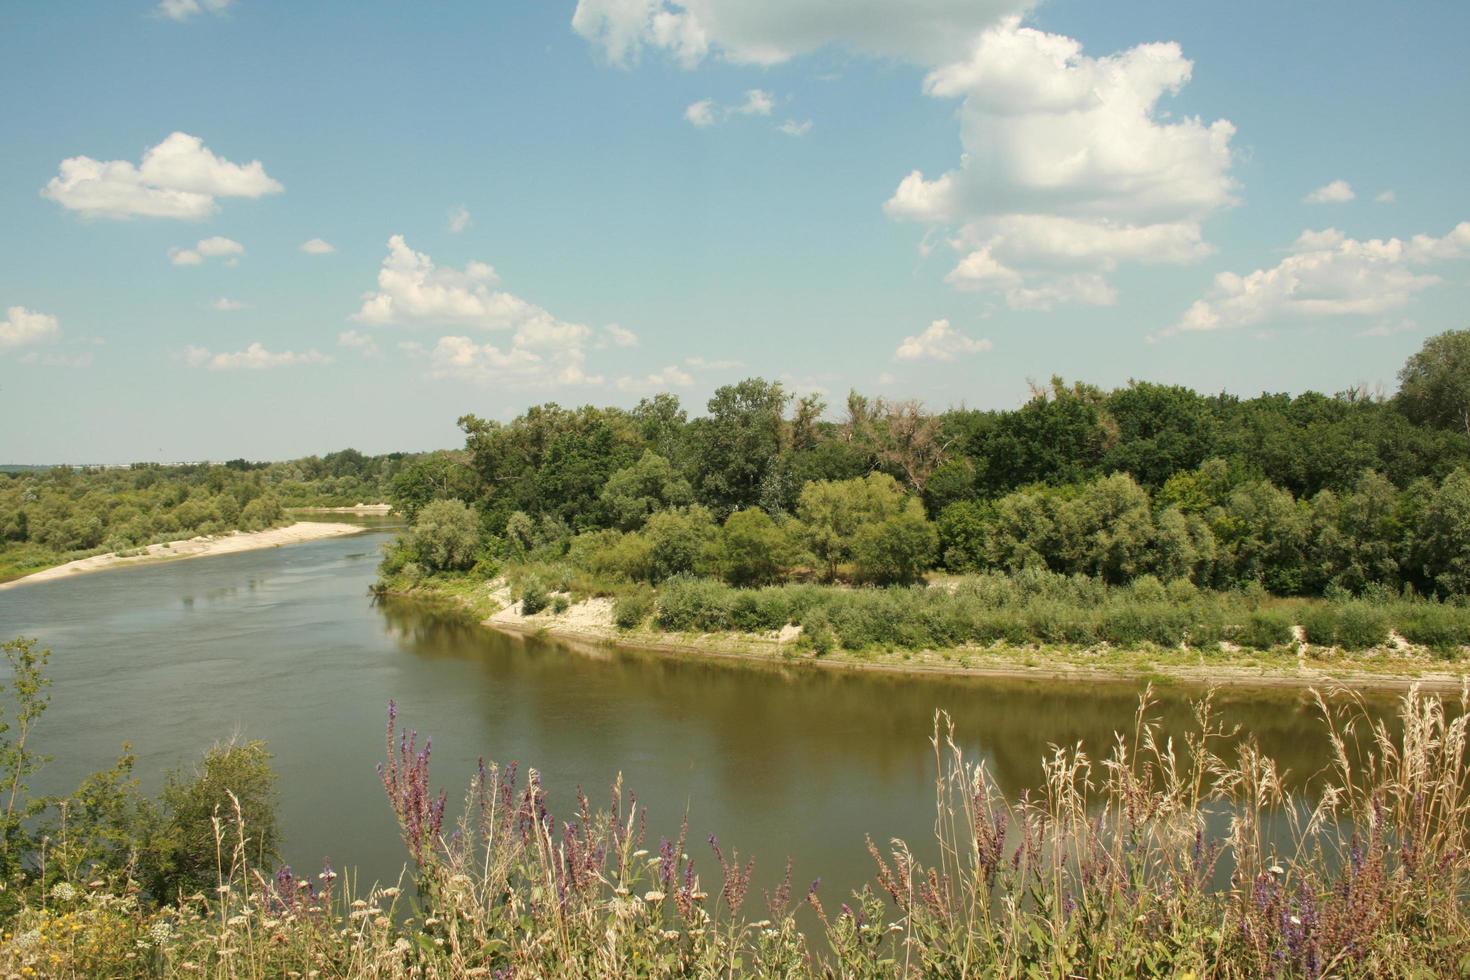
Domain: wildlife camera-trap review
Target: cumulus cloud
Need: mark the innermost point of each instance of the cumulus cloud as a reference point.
(459, 219)
(184, 9)
(707, 112)
(620, 336)
(701, 113)
(316, 246)
(226, 305)
(22, 327)
(1337, 192)
(939, 342)
(413, 291)
(360, 342)
(1326, 274)
(179, 178)
(671, 376)
(767, 32)
(793, 128)
(208, 248)
(253, 358)
(1069, 167)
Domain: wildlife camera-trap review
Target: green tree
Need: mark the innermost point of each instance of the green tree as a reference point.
(1442, 537)
(754, 549)
(635, 493)
(737, 444)
(1434, 384)
(437, 476)
(896, 549)
(832, 512)
(1106, 529)
(680, 542)
(446, 535)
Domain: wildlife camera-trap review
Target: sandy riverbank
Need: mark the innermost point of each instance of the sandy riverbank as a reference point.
(200, 547)
(589, 624)
(354, 509)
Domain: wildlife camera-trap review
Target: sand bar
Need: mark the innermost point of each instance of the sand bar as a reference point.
(200, 547)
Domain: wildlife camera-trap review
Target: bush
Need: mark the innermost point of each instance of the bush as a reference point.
(1263, 629)
(1348, 625)
(534, 596)
(1440, 627)
(560, 603)
(686, 604)
(816, 632)
(446, 535)
(632, 609)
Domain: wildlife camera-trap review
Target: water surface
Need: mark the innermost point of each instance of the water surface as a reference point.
(286, 645)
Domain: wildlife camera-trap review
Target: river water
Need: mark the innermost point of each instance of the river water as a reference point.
(286, 645)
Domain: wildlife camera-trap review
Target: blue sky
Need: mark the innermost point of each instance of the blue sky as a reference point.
(587, 202)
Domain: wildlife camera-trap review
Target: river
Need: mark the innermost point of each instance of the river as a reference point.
(286, 645)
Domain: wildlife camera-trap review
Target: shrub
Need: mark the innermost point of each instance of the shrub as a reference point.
(1348, 625)
(534, 596)
(686, 604)
(632, 609)
(1440, 627)
(1262, 629)
(816, 632)
(560, 603)
(446, 535)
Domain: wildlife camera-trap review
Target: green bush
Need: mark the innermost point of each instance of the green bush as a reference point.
(632, 609)
(686, 604)
(1263, 629)
(534, 596)
(1442, 628)
(816, 632)
(560, 603)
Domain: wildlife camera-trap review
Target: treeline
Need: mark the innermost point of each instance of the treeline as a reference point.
(51, 513)
(1303, 495)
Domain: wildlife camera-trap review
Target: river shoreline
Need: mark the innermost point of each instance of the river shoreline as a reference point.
(588, 625)
(200, 547)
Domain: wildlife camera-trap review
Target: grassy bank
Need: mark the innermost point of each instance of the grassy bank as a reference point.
(1112, 870)
(1033, 622)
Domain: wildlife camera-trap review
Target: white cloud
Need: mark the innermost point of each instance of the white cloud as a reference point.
(1326, 274)
(226, 305)
(1337, 192)
(178, 178)
(1390, 328)
(459, 219)
(543, 350)
(757, 103)
(211, 248)
(620, 336)
(701, 113)
(768, 32)
(253, 358)
(1069, 167)
(22, 327)
(793, 128)
(461, 359)
(669, 377)
(184, 9)
(359, 341)
(317, 246)
(1386, 197)
(939, 342)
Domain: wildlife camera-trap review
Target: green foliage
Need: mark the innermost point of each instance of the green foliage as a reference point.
(897, 549)
(1263, 629)
(27, 694)
(650, 485)
(560, 603)
(833, 513)
(446, 536)
(753, 549)
(1434, 385)
(631, 609)
(534, 596)
(687, 604)
(680, 542)
(1442, 547)
(435, 476)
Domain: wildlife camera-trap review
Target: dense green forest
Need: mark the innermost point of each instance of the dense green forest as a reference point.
(1297, 495)
(53, 514)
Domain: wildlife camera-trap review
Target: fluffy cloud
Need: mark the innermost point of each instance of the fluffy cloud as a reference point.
(701, 113)
(620, 336)
(317, 246)
(669, 377)
(707, 112)
(184, 9)
(768, 32)
(459, 219)
(939, 342)
(543, 350)
(253, 358)
(1337, 192)
(793, 128)
(1068, 168)
(208, 248)
(178, 178)
(22, 327)
(359, 341)
(1326, 274)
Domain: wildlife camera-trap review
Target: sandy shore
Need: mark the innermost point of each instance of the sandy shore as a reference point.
(354, 509)
(200, 547)
(588, 625)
